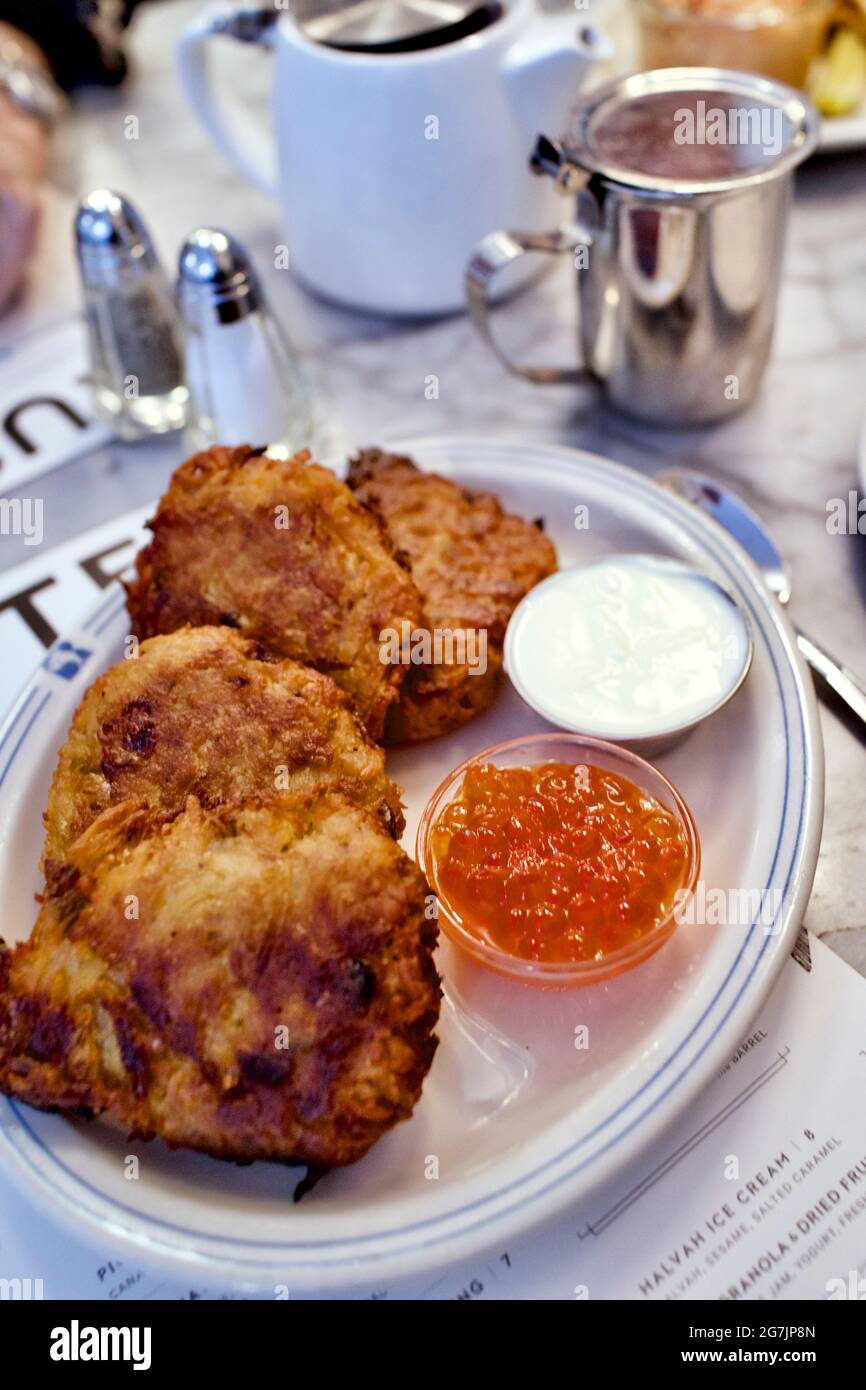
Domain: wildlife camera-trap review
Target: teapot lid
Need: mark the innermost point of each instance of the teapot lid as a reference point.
(387, 26)
(691, 130)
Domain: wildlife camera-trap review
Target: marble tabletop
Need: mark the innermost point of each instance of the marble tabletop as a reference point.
(795, 449)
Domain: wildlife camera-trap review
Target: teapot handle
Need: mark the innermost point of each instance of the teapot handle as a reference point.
(239, 136)
(493, 254)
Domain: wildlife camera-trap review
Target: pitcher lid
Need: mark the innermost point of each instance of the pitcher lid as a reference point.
(382, 26)
(691, 130)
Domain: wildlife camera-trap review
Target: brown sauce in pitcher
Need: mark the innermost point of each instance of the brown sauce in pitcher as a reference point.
(691, 136)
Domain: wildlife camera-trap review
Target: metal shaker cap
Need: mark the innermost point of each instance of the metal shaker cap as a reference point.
(216, 278)
(111, 238)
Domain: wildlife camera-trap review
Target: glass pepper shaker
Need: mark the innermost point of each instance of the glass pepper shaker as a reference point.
(134, 333)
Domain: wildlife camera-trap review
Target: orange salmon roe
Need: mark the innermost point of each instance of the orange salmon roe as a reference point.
(558, 862)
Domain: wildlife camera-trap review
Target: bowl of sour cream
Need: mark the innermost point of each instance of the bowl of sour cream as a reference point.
(635, 649)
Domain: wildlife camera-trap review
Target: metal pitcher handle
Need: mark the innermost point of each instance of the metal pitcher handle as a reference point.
(493, 254)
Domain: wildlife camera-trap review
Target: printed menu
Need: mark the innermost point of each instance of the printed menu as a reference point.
(46, 411)
(51, 593)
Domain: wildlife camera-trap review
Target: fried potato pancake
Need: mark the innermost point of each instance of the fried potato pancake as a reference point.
(283, 552)
(200, 712)
(252, 982)
(472, 563)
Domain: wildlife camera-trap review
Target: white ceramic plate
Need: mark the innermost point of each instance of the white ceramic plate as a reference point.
(518, 1120)
(839, 133)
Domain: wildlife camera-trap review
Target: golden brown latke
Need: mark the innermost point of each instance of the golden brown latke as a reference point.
(282, 551)
(472, 563)
(201, 712)
(253, 982)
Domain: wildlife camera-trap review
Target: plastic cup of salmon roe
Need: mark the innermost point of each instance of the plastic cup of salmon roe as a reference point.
(490, 931)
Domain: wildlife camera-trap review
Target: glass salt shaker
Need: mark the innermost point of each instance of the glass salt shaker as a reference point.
(134, 333)
(245, 384)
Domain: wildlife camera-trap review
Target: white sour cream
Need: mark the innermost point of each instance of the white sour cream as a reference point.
(627, 648)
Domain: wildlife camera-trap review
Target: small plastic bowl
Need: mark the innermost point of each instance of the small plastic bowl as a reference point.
(567, 748)
(528, 677)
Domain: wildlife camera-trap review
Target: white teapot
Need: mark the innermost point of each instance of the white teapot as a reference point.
(390, 165)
